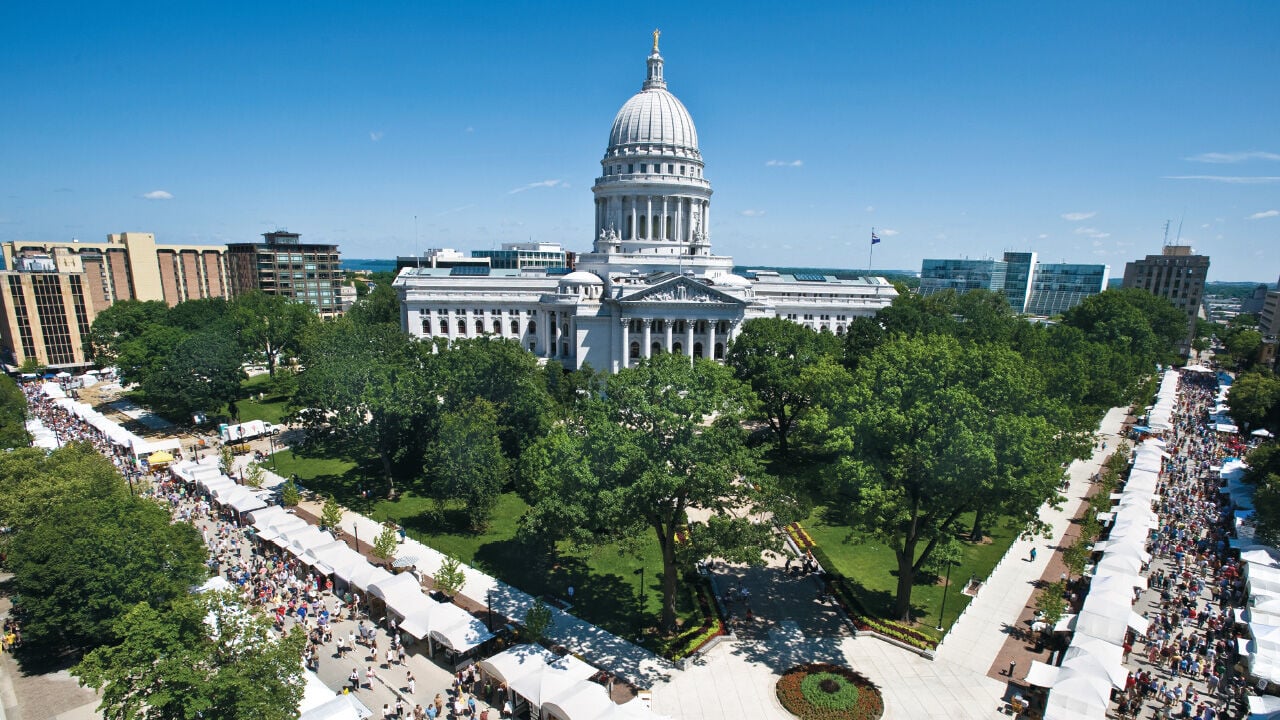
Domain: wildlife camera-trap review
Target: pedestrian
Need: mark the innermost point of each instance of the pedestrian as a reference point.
(386, 711)
(372, 675)
(354, 679)
(1033, 555)
(410, 682)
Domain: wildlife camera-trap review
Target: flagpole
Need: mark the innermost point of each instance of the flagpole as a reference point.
(871, 251)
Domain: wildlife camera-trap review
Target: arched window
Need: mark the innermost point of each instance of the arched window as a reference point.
(533, 327)
(644, 225)
(479, 327)
(677, 348)
(670, 228)
(626, 229)
(444, 327)
(564, 349)
(497, 326)
(515, 327)
(656, 224)
(426, 326)
(655, 349)
(633, 352)
(697, 350)
(719, 351)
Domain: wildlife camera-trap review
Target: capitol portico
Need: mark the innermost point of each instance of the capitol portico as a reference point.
(650, 284)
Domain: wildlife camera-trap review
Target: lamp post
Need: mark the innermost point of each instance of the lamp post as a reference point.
(640, 589)
(272, 443)
(355, 530)
(945, 588)
(488, 604)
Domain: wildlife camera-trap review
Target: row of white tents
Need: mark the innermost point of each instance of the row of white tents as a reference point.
(417, 614)
(558, 687)
(138, 446)
(1093, 664)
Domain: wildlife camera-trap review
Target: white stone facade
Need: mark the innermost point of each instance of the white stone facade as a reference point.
(650, 284)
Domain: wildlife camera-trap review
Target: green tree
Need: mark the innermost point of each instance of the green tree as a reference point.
(367, 392)
(1146, 327)
(202, 374)
(466, 461)
(86, 562)
(289, 494)
(1076, 556)
(450, 577)
(13, 415)
(1243, 345)
(331, 513)
(254, 475)
(537, 621)
(121, 322)
(226, 459)
(665, 439)
(35, 484)
(1255, 401)
(270, 327)
(777, 358)
(929, 430)
(505, 374)
(1052, 603)
(384, 546)
(203, 656)
(147, 355)
(380, 305)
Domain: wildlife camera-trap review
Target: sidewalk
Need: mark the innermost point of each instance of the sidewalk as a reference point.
(979, 635)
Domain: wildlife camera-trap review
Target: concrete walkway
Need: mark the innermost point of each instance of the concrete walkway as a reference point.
(979, 634)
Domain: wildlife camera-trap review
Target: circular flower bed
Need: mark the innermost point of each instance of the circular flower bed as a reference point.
(829, 692)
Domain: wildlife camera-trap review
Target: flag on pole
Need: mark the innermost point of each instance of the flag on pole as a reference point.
(874, 238)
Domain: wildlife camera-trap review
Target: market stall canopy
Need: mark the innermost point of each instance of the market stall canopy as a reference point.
(515, 661)
(549, 682)
(402, 594)
(363, 578)
(585, 701)
(457, 628)
(1078, 694)
(274, 530)
(1264, 707)
(300, 540)
(1262, 433)
(1091, 654)
(243, 500)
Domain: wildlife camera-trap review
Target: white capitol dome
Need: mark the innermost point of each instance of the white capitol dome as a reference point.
(653, 120)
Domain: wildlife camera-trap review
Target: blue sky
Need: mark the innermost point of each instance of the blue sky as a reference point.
(955, 129)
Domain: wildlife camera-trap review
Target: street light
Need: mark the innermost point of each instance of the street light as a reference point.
(945, 588)
(640, 589)
(488, 603)
(272, 442)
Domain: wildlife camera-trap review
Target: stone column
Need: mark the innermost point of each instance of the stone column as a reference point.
(545, 330)
(688, 339)
(648, 328)
(662, 234)
(667, 324)
(710, 350)
(626, 342)
(648, 213)
(635, 227)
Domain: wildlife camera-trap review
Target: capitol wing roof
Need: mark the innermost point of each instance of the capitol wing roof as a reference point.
(680, 289)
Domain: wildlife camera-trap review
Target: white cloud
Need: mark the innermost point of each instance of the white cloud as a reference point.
(1092, 232)
(469, 129)
(784, 163)
(1233, 157)
(1205, 226)
(157, 195)
(1078, 216)
(1264, 214)
(1042, 236)
(886, 232)
(1231, 179)
(539, 184)
(752, 213)
(871, 208)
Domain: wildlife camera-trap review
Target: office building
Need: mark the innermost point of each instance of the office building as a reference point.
(1177, 274)
(1031, 287)
(283, 265)
(52, 291)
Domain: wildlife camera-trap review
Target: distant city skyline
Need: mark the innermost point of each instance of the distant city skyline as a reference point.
(964, 130)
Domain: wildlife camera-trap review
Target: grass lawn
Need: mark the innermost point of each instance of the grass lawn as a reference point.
(605, 581)
(270, 408)
(873, 570)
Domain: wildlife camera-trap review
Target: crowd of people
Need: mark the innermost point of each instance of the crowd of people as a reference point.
(278, 584)
(1186, 664)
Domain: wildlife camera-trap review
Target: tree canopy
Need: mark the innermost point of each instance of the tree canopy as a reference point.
(201, 656)
(928, 429)
(665, 439)
(1254, 399)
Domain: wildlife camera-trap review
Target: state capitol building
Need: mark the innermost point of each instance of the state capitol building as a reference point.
(650, 283)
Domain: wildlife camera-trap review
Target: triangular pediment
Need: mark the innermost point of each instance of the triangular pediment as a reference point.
(680, 290)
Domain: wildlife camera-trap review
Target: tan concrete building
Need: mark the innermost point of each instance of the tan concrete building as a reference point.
(284, 265)
(50, 292)
(1177, 274)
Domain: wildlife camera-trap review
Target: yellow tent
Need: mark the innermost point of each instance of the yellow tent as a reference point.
(160, 458)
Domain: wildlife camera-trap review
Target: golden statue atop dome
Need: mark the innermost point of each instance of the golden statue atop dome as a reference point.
(656, 33)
